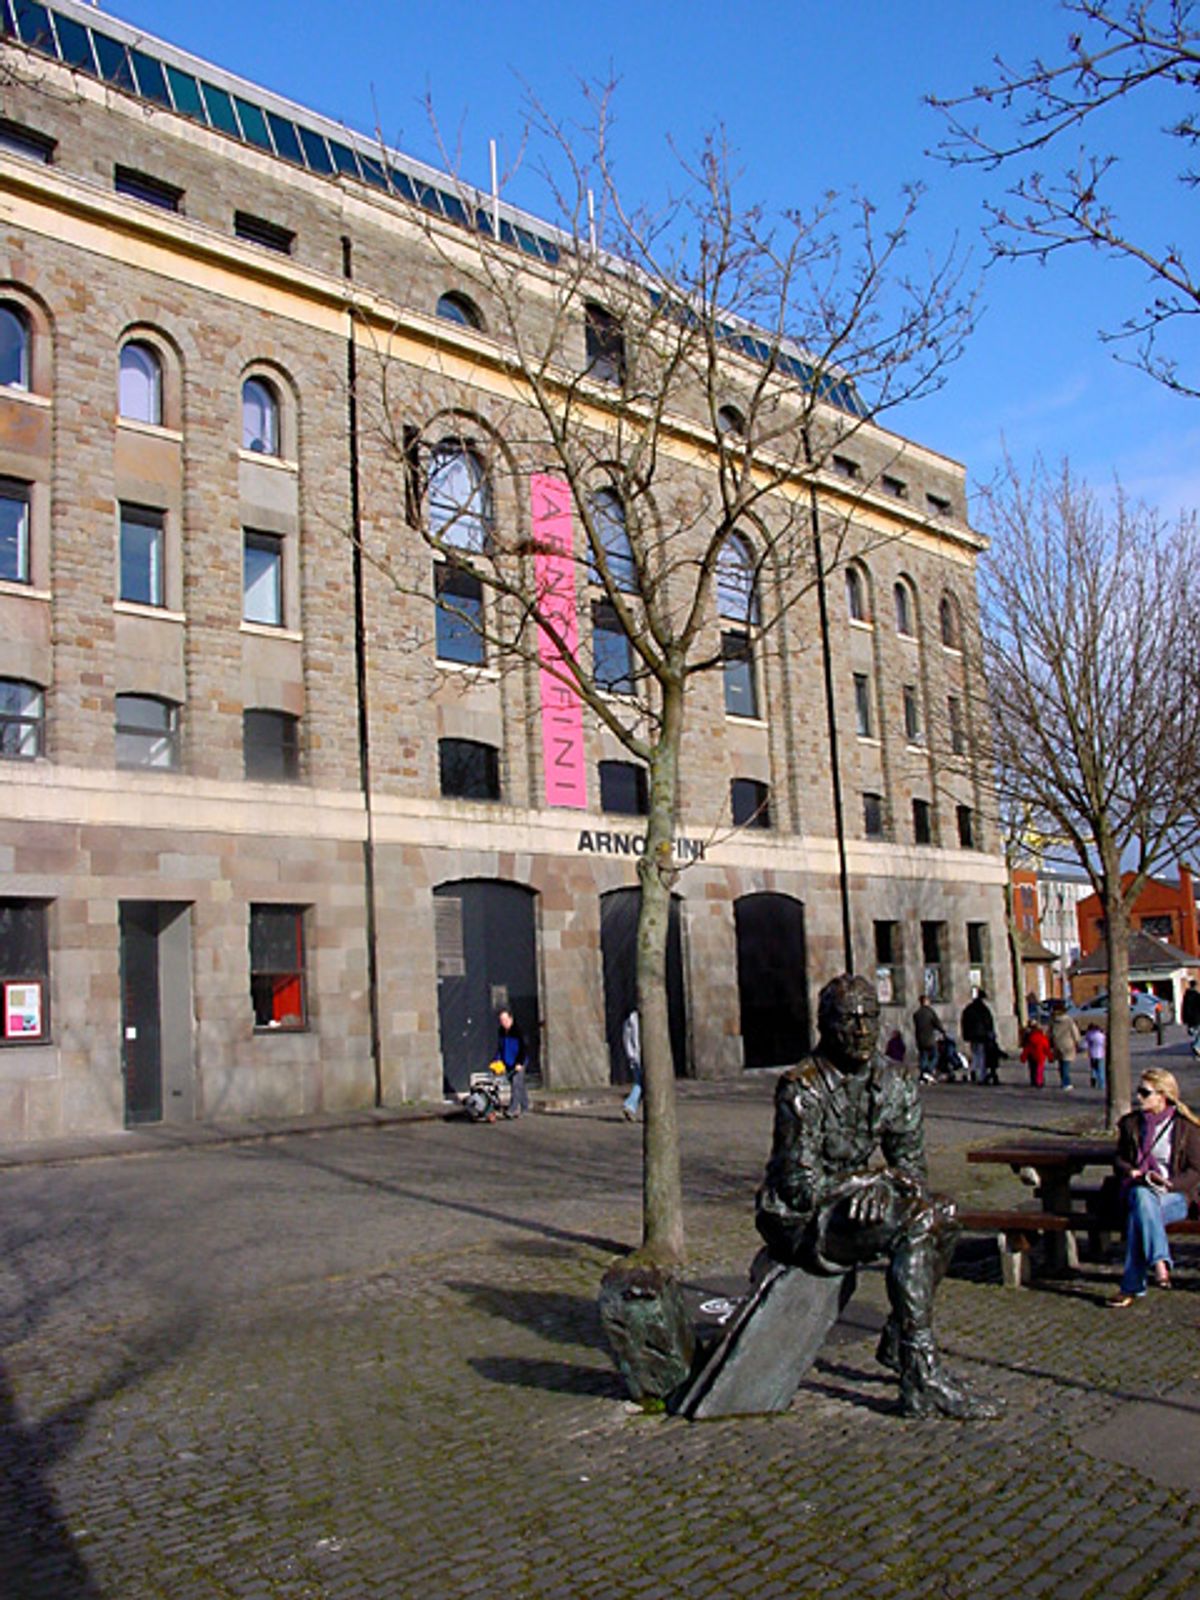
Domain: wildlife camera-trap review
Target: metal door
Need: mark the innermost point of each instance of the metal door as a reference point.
(486, 960)
(772, 979)
(141, 1029)
(618, 944)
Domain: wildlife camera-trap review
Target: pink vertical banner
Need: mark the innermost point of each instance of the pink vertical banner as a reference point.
(554, 575)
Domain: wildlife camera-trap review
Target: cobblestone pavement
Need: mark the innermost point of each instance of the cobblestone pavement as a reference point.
(367, 1363)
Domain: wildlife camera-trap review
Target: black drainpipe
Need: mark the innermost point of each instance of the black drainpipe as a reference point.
(835, 764)
(360, 669)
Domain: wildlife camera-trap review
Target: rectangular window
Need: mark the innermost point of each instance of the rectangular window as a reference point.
(277, 988)
(22, 720)
(922, 822)
(873, 816)
(612, 654)
(459, 612)
(933, 944)
(18, 140)
(151, 191)
(913, 731)
(751, 803)
(24, 972)
(147, 732)
(14, 531)
(937, 504)
(958, 738)
(741, 690)
(889, 970)
(257, 230)
(862, 705)
(847, 467)
(894, 486)
(977, 954)
(142, 555)
(966, 827)
(270, 746)
(623, 789)
(468, 770)
(262, 579)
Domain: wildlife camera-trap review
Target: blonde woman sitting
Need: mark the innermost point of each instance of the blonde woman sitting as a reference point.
(1158, 1163)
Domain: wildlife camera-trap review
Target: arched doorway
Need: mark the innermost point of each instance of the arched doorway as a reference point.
(618, 946)
(486, 959)
(772, 979)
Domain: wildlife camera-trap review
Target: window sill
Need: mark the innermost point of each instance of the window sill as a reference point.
(863, 624)
(907, 638)
(476, 669)
(952, 649)
(916, 749)
(134, 608)
(153, 430)
(272, 1028)
(744, 721)
(260, 458)
(270, 630)
(23, 591)
(869, 739)
(26, 397)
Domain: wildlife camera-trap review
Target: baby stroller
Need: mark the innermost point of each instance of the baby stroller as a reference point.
(952, 1065)
(488, 1093)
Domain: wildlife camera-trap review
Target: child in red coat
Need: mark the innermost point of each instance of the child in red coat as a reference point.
(1035, 1053)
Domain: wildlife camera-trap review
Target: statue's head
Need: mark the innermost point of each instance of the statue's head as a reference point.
(848, 1022)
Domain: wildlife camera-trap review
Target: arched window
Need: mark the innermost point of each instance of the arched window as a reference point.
(459, 500)
(147, 731)
(140, 394)
(731, 421)
(905, 618)
(260, 417)
(737, 603)
(455, 307)
(951, 631)
(856, 595)
(608, 517)
(22, 720)
(604, 342)
(14, 347)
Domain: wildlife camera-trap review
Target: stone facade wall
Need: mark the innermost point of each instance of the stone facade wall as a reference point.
(89, 270)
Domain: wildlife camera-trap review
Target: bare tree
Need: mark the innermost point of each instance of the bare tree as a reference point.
(664, 396)
(1148, 49)
(1091, 653)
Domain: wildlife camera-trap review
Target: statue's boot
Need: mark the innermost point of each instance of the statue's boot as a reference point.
(927, 1389)
(887, 1351)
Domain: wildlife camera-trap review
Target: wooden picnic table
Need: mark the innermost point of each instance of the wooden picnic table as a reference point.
(1057, 1162)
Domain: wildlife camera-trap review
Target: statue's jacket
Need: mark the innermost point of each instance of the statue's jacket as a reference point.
(828, 1127)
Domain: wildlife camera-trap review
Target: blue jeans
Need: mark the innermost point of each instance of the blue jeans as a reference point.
(1097, 1066)
(1064, 1072)
(1146, 1233)
(519, 1099)
(634, 1098)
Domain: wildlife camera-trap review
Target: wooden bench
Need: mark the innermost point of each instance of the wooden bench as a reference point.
(1015, 1233)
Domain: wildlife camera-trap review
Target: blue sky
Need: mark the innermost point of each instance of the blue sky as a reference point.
(813, 97)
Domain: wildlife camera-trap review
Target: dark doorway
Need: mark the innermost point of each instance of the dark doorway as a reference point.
(486, 959)
(156, 1011)
(618, 945)
(772, 979)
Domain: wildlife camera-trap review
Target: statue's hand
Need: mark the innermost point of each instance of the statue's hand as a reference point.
(868, 1205)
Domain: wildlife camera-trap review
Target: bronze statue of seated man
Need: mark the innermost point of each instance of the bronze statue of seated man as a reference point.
(825, 1208)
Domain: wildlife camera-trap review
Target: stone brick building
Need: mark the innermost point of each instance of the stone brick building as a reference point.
(272, 837)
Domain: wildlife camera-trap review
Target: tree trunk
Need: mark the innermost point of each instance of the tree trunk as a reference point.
(1118, 1077)
(662, 1187)
(1014, 953)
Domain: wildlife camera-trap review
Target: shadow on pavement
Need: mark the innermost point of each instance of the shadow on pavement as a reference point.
(565, 1318)
(595, 1383)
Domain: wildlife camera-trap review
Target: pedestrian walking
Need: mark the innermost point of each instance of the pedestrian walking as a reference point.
(510, 1048)
(1158, 1165)
(1035, 1052)
(927, 1029)
(979, 1031)
(1064, 1036)
(1095, 1042)
(1190, 1014)
(631, 1043)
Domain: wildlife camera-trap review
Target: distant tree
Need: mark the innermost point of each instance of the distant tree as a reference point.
(1091, 653)
(1148, 50)
(668, 390)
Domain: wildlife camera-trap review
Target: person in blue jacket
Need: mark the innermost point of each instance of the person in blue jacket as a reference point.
(510, 1048)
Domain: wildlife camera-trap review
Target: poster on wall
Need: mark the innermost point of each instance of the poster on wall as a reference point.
(23, 1011)
(554, 574)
